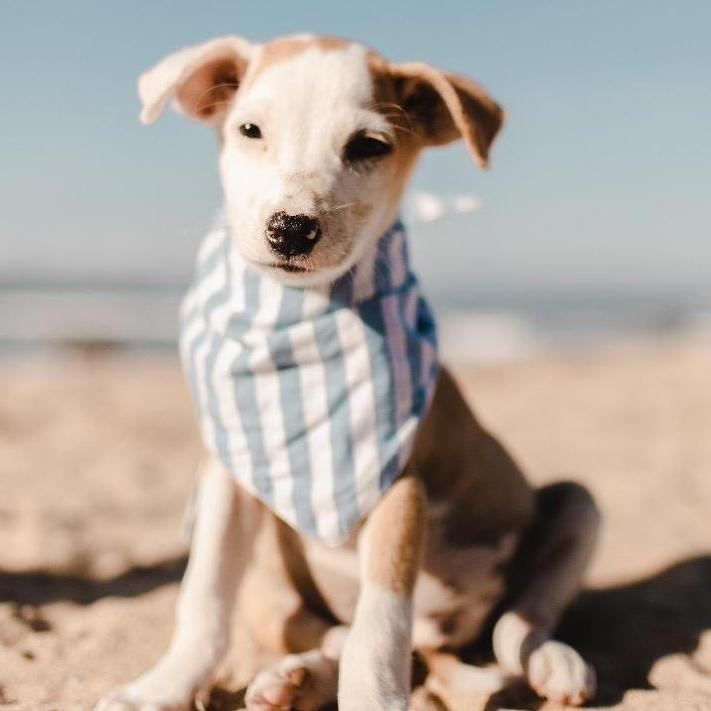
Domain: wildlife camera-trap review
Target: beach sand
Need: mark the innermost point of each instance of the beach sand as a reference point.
(98, 459)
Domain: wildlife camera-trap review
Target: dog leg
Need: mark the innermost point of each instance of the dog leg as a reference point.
(225, 527)
(376, 660)
(374, 652)
(556, 556)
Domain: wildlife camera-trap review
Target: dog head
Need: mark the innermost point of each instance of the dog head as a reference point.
(317, 139)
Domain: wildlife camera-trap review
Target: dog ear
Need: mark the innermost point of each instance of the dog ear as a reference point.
(443, 107)
(202, 79)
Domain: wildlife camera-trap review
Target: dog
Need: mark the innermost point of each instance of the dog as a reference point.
(422, 535)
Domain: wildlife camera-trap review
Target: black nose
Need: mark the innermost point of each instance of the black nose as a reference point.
(292, 235)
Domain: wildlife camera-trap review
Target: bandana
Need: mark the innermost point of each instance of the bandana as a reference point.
(310, 397)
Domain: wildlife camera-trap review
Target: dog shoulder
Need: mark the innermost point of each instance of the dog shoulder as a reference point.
(470, 478)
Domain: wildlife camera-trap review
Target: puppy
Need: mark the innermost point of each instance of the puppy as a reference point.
(350, 492)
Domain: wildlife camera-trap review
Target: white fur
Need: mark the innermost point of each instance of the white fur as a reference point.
(375, 663)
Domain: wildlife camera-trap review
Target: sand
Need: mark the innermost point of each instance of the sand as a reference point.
(98, 456)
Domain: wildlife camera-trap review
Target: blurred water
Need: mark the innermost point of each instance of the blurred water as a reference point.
(476, 326)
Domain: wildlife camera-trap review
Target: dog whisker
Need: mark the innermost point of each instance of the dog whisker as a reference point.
(340, 207)
(197, 103)
(404, 129)
(213, 104)
(388, 104)
(398, 127)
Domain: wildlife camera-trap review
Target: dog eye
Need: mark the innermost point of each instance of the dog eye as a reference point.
(250, 130)
(362, 147)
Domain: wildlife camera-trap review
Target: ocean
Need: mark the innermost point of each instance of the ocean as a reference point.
(477, 326)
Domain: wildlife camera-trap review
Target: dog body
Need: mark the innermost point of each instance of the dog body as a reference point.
(472, 535)
(317, 139)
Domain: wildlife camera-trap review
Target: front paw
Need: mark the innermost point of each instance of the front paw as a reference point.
(300, 681)
(557, 672)
(277, 688)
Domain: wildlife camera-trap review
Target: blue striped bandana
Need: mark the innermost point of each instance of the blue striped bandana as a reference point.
(310, 396)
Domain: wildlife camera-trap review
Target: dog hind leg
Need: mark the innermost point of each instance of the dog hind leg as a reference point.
(549, 571)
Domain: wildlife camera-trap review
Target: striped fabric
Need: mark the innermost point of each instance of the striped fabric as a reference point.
(309, 396)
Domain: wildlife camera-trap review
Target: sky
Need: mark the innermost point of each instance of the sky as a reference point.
(600, 180)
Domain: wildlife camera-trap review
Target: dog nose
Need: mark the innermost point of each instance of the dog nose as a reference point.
(292, 235)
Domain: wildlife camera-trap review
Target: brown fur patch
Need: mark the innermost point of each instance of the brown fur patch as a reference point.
(438, 107)
(395, 537)
(284, 48)
(328, 44)
(458, 460)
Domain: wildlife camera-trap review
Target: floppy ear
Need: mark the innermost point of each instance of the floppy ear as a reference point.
(202, 79)
(443, 107)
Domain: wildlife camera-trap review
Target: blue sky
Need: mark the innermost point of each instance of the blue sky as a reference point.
(601, 178)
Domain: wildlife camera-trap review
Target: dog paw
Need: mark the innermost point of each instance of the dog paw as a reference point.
(277, 688)
(300, 681)
(557, 672)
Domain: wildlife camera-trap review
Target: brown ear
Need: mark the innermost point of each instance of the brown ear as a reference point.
(443, 107)
(202, 79)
